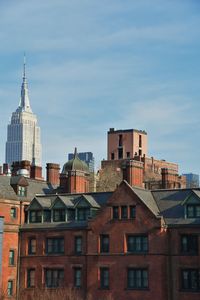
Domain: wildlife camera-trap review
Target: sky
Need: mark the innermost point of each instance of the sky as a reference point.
(93, 65)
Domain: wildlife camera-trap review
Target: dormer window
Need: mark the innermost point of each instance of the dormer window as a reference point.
(83, 214)
(21, 191)
(59, 215)
(193, 211)
(35, 216)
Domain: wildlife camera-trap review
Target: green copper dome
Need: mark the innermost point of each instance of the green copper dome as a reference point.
(75, 164)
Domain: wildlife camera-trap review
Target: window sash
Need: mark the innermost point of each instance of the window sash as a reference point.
(78, 244)
(137, 243)
(77, 277)
(35, 216)
(10, 288)
(104, 243)
(13, 212)
(115, 212)
(11, 257)
(137, 278)
(189, 244)
(54, 245)
(190, 279)
(59, 215)
(124, 212)
(83, 214)
(32, 246)
(31, 278)
(132, 212)
(54, 277)
(104, 278)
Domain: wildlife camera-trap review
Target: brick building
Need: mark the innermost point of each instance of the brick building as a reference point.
(127, 158)
(127, 244)
(16, 192)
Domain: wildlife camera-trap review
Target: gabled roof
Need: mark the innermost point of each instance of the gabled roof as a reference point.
(170, 204)
(91, 201)
(19, 180)
(6, 190)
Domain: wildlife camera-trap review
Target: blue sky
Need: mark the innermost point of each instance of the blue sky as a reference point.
(96, 64)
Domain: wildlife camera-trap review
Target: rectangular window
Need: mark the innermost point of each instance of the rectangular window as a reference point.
(190, 279)
(78, 244)
(35, 216)
(112, 156)
(77, 277)
(120, 153)
(30, 278)
(120, 140)
(124, 212)
(140, 141)
(193, 211)
(54, 278)
(115, 212)
(137, 244)
(13, 212)
(137, 278)
(47, 215)
(83, 214)
(10, 287)
(128, 155)
(54, 245)
(21, 191)
(32, 246)
(132, 212)
(104, 278)
(104, 243)
(59, 215)
(11, 257)
(189, 244)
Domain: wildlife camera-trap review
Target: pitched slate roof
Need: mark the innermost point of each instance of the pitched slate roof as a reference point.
(170, 204)
(6, 190)
(34, 187)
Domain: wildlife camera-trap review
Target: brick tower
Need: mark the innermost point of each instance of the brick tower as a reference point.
(74, 176)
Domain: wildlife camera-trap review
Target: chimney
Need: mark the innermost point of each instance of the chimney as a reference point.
(5, 169)
(36, 172)
(53, 173)
(20, 165)
(133, 172)
(169, 178)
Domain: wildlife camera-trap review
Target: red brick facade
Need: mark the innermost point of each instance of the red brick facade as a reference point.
(161, 261)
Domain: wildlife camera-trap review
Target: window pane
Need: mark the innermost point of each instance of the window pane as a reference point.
(132, 212)
(78, 244)
(10, 288)
(124, 212)
(104, 243)
(104, 278)
(115, 212)
(32, 246)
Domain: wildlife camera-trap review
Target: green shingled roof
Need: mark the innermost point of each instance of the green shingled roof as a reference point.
(75, 164)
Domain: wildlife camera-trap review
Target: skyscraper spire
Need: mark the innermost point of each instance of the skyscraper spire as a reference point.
(24, 104)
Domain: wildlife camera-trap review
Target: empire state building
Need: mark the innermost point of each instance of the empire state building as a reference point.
(23, 134)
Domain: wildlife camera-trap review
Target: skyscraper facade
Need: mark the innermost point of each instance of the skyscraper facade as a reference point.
(192, 180)
(23, 134)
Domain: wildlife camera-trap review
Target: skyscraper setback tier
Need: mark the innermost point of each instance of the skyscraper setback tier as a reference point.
(23, 135)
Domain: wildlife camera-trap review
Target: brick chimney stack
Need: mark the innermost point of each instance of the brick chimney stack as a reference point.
(19, 165)
(169, 178)
(36, 172)
(133, 172)
(5, 169)
(53, 173)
